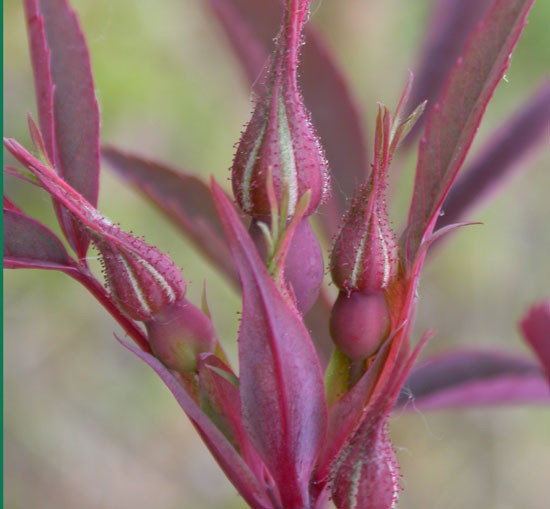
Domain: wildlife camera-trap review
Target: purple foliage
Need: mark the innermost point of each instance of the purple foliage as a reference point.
(303, 419)
(473, 378)
(505, 154)
(67, 106)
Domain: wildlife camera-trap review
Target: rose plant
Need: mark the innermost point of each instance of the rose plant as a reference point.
(302, 421)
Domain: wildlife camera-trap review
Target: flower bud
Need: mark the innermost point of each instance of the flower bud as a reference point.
(279, 142)
(364, 257)
(179, 333)
(359, 323)
(144, 283)
(141, 279)
(148, 287)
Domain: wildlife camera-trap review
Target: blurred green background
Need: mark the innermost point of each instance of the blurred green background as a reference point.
(87, 425)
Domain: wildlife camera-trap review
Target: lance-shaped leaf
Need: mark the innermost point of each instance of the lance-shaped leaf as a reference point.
(226, 455)
(500, 158)
(9, 205)
(317, 322)
(536, 330)
(473, 378)
(447, 31)
(250, 27)
(221, 401)
(453, 121)
(184, 198)
(30, 244)
(63, 194)
(328, 97)
(40, 58)
(280, 379)
(67, 105)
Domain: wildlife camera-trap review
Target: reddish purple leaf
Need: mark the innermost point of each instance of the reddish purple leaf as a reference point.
(227, 457)
(281, 385)
(30, 244)
(62, 193)
(368, 476)
(9, 205)
(331, 103)
(185, 199)
(55, 32)
(221, 401)
(501, 157)
(453, 121)
(250, 27)
(536, 330)
(449, 27)
(40, 57)
(473, 378)
(317, 322)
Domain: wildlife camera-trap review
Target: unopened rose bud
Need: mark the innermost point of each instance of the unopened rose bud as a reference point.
(364, 257)
(141, 279)
(365, 253)
(148, 287)
(143, 282)
(279, 142)
(179, 333)
(359, 323)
